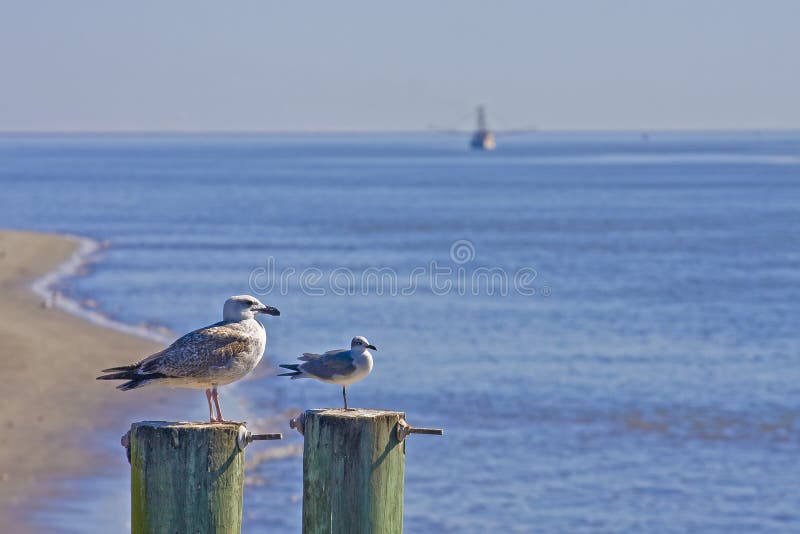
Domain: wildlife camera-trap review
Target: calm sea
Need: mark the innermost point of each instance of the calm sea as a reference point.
(605, 325)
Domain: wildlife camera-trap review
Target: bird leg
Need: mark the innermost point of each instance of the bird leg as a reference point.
(210, 410)
(344, 396)
(215, 396)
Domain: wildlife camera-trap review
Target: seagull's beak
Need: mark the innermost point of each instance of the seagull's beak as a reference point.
(269, 310)
(373, 347)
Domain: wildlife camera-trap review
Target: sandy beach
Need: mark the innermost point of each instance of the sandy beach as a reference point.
(48, 361)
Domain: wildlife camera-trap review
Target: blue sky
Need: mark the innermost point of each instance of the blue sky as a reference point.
(261, 65)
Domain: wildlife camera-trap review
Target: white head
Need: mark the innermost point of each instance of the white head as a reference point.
(360, 344)
(245, 307)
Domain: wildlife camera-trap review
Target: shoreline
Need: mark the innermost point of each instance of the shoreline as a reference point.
(51, 351)
(47, 286)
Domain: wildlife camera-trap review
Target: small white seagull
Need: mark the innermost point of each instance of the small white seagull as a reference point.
(209, 357)
(341, 366)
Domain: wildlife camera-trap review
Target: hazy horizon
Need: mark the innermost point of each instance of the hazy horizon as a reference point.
(465, 131)
(188, 67)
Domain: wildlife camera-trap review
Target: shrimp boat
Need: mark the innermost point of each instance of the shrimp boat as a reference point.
(482, 139)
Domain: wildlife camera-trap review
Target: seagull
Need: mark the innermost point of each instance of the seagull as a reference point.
(209, 357)
(341, 366)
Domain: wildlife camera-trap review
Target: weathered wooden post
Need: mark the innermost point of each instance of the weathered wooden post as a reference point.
(353, 470)
(187, 477)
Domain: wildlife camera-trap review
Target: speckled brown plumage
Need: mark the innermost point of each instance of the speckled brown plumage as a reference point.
(205, 358)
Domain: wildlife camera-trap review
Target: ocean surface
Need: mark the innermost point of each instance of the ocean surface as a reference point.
(605, 324)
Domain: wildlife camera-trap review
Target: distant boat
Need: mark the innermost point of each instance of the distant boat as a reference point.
(482, 139)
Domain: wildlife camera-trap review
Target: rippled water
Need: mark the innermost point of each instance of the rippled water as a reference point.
(644, 377)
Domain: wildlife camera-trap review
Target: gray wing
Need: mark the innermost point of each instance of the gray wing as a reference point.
(330, 364)
(307, 356)
(197, 352)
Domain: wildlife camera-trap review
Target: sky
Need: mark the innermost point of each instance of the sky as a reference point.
(105, 65)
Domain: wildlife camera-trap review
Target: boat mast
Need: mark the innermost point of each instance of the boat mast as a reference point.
(481, 119)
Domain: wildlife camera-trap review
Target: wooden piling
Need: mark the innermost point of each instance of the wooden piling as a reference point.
(186, 477)
(353, 469)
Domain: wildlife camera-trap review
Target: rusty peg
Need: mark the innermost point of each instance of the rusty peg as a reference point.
(421, 430)
(298, 422)
(125, 441)
(246, 437)
(258, 437)
(404, 429)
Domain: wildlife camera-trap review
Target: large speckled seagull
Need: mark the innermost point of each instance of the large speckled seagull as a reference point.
(342, 366)
(207, 358)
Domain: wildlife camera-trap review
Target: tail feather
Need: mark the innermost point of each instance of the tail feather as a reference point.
(124, 375)
(140, 380)
(295, 367)
(133, 384)
(130, 367)
(134, 378)
(147, 365)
